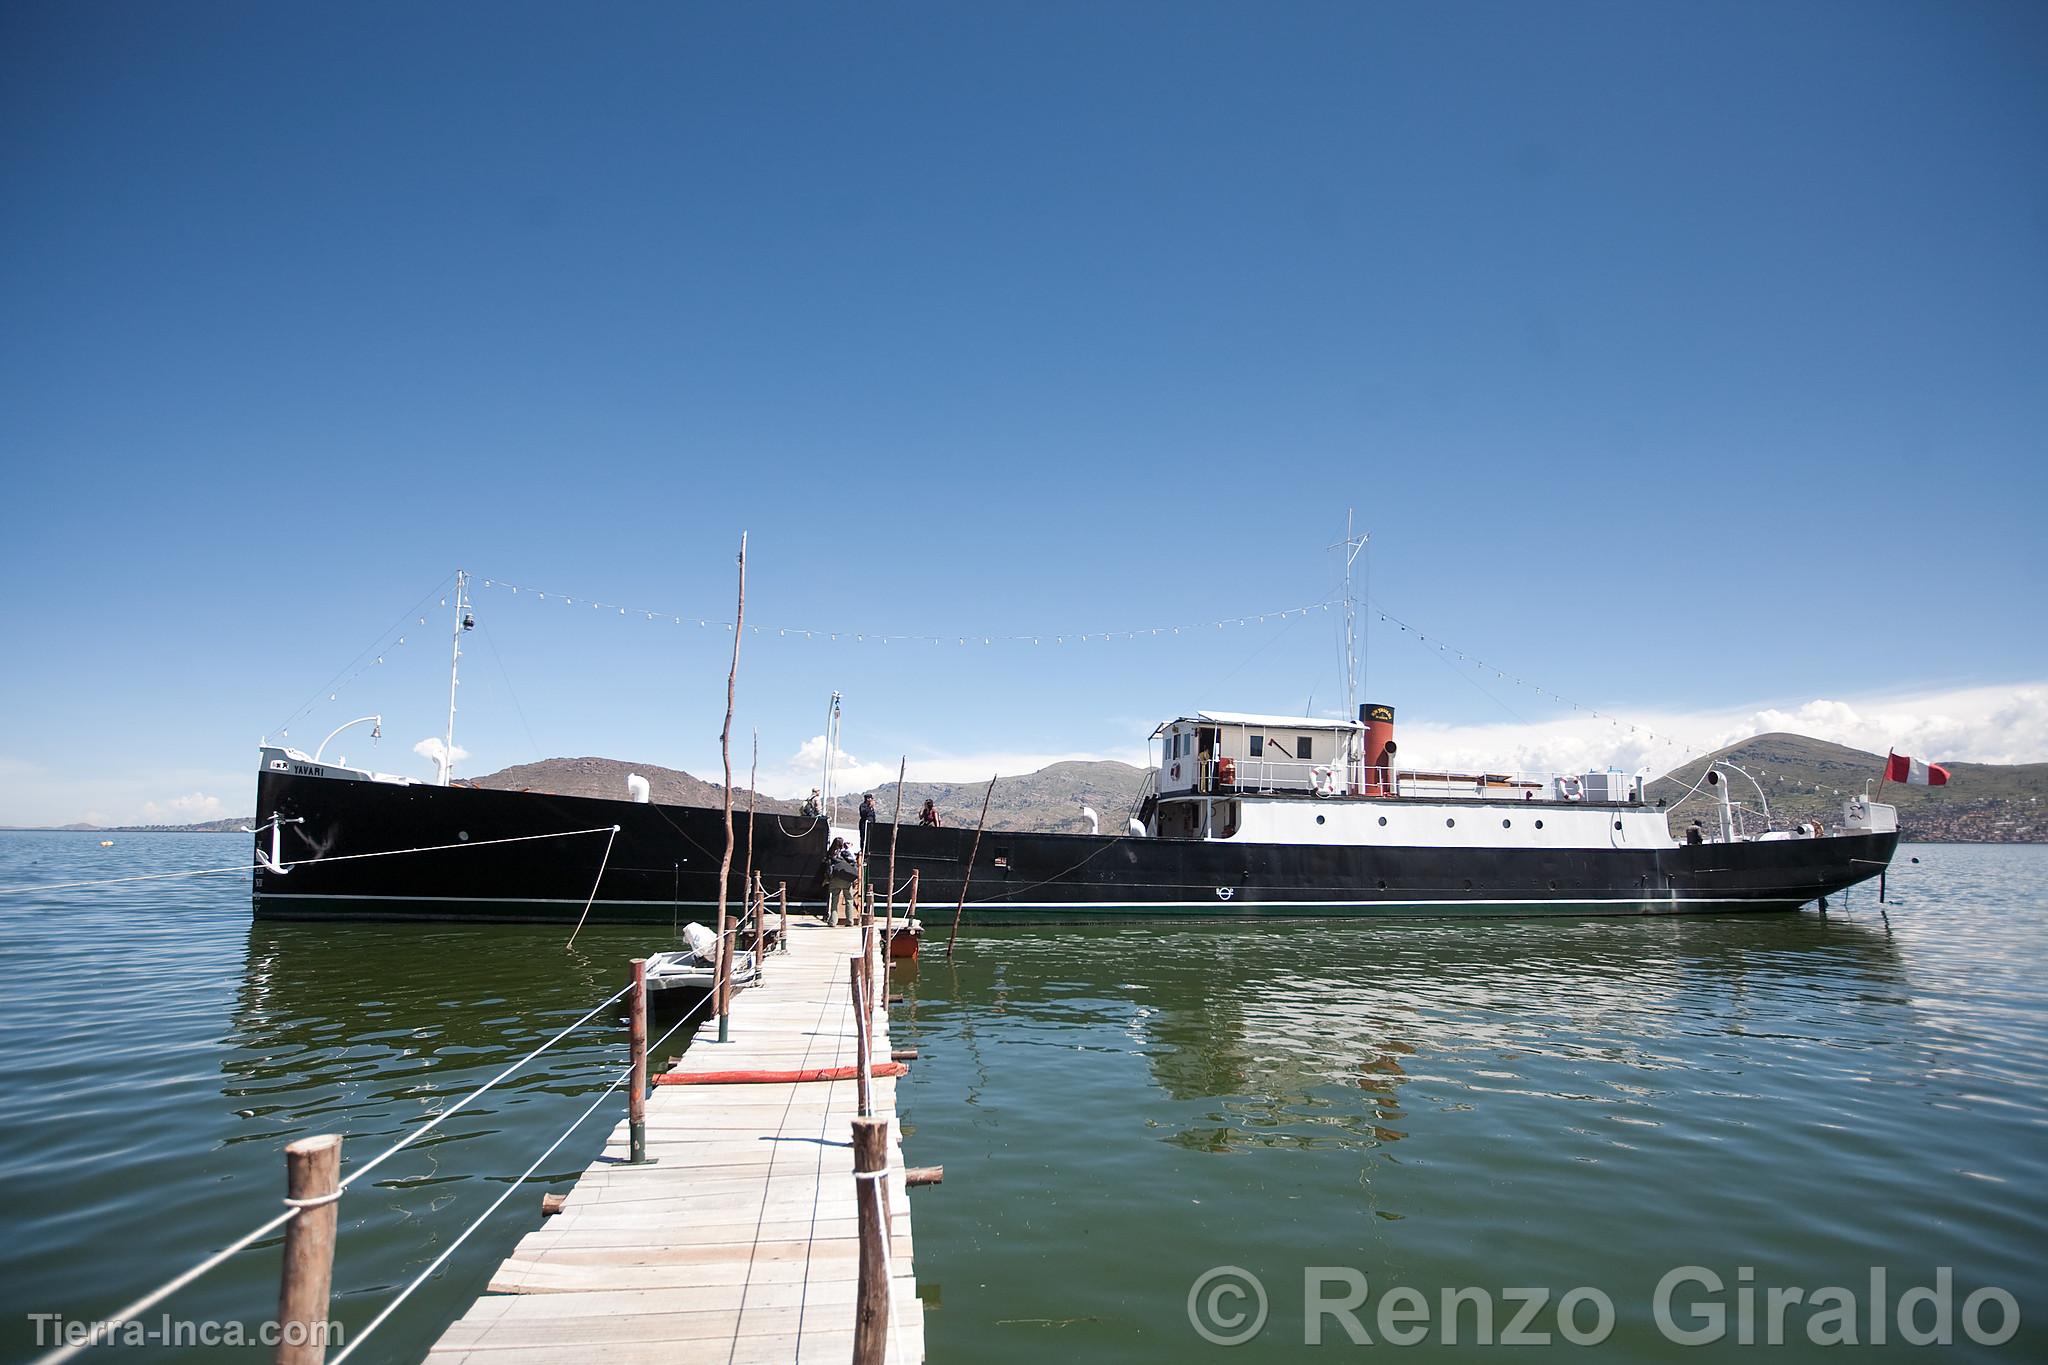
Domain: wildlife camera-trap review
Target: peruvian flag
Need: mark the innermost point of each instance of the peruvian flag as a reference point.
(1899, 768)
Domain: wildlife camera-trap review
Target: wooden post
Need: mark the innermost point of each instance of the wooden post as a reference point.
(871, 1195)
(967, 872)
(636, 1099)
(722, 982)
(312, 1171)
(759, 897)
(855, 976)
(782, 894)
(902, 766)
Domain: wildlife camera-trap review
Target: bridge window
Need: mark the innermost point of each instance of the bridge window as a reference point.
(1258, 746)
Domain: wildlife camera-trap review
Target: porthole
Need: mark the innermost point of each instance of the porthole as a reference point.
(1383, 819)
(1449, 824)
(1617, 824)
(1319, 820)
(1468, 883)
(463, 835)
(1539, 824)
(1507, 824)
(1383, 883)
(1553, 886)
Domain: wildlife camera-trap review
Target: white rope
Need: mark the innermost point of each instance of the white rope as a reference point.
(591, 900)
(309, 862)
(437, 1262)
(172, 1286)
(875, 1179)
(429, 1126)
(164, 1291)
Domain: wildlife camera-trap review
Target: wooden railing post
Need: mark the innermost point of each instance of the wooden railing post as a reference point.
(760, 899)
(312, 1179)
(856, 970)
(871, 1194)
(636, 1100)
(782, 893)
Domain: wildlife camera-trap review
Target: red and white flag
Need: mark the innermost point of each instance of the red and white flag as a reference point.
(1899, 768)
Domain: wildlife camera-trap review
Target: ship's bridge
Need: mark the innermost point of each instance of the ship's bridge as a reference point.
(1217, 751)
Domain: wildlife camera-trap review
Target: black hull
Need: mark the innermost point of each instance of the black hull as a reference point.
(512, 855)
(1021, 877)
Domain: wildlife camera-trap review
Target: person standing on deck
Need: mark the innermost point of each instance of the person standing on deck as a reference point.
(867, 817)
(811, 807)
(929, 816)
(841, 872)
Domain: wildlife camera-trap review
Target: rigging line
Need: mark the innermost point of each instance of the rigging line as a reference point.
(339, 679)
(925, 637)
(510, 691)
(1466, 655)
(603, 863)
(304, 862)
(1439, 652)
(497, 1203)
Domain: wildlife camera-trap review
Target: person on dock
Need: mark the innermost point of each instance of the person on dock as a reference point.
(811, 806)
(929, 816)
(842, 871)
(867, 817)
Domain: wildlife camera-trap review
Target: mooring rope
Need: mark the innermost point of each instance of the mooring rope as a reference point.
(309, 862)
(591, 900)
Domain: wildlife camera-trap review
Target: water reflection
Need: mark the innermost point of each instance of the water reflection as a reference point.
(1315, 1035)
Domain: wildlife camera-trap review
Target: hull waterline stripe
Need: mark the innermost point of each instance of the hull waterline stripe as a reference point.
(1767, 897)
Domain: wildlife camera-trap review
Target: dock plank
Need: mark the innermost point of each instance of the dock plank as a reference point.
(738, 1241)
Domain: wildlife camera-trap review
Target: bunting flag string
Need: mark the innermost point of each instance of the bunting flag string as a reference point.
(956, 638)
(1444, 647)
(393, 638)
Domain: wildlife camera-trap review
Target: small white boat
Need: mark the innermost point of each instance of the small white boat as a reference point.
(696, 967)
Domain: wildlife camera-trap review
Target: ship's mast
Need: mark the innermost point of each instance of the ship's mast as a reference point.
(1354, 543)
(462, 623)
(831, 753)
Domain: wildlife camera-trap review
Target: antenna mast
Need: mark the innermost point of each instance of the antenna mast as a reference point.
(463, 621)
(831, 753)
(1354, 543)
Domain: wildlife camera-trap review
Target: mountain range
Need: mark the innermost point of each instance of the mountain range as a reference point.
(1802, 779)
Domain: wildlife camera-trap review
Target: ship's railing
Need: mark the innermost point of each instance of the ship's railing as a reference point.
(1265, 775)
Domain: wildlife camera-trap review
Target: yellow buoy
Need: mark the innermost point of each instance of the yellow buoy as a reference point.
(106, 843)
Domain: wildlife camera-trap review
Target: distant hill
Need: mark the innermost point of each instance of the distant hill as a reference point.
(231, 825)
(1809, 778)
(1805, 778)
(1049, 799)
(607, 777)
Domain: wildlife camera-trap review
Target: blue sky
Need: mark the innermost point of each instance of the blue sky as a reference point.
(1687, 361)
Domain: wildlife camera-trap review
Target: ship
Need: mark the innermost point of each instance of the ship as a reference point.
(336, 841)
(1255, 816)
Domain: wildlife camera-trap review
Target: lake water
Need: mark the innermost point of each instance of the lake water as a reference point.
(1486, 1106)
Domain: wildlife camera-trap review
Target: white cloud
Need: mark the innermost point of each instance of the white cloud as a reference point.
(1971, 725)
(431, 749)
(183, 810)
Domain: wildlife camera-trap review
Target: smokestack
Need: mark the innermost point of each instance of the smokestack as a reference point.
(1379, 748)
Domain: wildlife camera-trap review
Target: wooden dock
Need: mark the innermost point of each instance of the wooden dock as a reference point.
(737, 1241)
